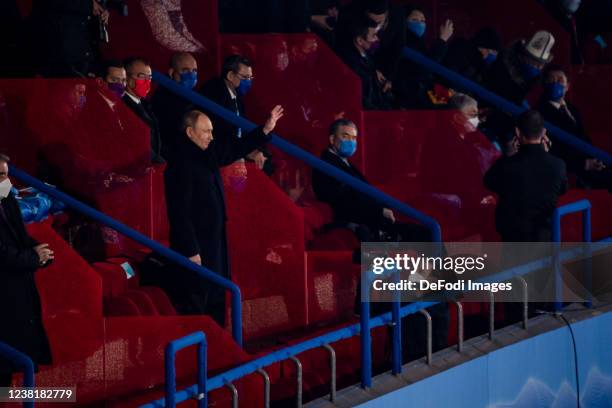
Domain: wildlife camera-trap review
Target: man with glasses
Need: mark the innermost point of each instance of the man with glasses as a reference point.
(139, 75)
(228, 90)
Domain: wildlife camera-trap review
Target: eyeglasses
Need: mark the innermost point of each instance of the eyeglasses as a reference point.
(142, 75)
(246, 78)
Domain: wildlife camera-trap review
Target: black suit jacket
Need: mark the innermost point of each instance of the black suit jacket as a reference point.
(348, 204)
(144, 111)
(528, 185)
(195, 200)
(392, 38)
(169, 109)
(20, 309)
(574, 159)
(371, 92)
(217, 91)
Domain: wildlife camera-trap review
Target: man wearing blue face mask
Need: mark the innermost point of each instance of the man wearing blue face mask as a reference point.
(472, 58)
(519, 67)
(367, 218)
(229, 90)
(168, 107)
(590, 172)
(414, 81)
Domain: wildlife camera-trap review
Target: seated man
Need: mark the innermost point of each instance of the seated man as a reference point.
(591, 173)
(168, 107)
(228, 90)
(114, 76)
(363, 215)
(357, 54)
(139, 75)
(518, 67)
(20, 258)
(528, 184)
(196, 209)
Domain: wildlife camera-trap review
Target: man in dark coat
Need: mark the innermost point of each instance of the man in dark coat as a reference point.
(170, 108)
(375, 91)
(519, 67)
(139, 75)
(528, 184)
(414, 81)
(196, 208)
(472, 58)
(61, 35)
(20, 258)
(228, 90)
(390, 22)
(591, 173)
(365, 216)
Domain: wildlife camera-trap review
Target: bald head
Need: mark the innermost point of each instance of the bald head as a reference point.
(198, 128)
(181, 64)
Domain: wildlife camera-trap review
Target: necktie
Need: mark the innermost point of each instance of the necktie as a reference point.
(237, 110)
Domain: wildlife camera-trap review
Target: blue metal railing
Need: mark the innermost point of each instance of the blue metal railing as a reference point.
(170, 359)
(143, 240)
(300, 154)
(24, 363)
(583, 207)
(363, 329)
(503, 104)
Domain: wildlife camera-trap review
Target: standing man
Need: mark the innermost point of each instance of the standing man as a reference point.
(528, 183)
(196, 208)
(228, 91)
(20, 258)
(170, 108)
(139, 75)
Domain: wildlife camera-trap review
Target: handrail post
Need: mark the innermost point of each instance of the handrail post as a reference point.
(429, 326)
(25, 363)
(366, 339)
(266, 380)
(491, 315)
(460, 326)
(333, 374)
(170, 359)
(396, 322)
(299, 380)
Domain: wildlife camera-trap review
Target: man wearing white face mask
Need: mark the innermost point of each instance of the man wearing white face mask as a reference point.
(20, 258)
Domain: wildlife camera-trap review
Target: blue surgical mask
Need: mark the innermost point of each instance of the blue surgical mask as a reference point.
(555, 91)
(417, 27)
(531, 72)
(189, 79)
(244, 87)
(490, 59)
(347, 148)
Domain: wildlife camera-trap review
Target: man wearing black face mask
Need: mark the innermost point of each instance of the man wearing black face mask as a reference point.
(228, 90)
(518, 68)
(358, 56)
(591, 173)
(389, 20)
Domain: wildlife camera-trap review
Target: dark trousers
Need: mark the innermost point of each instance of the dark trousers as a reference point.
(6, 380)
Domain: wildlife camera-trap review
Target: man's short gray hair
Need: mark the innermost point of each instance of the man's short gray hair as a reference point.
(191, 118)
(4, 158)
(461, 100)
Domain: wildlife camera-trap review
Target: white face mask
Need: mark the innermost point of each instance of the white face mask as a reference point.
(5, 188)
(475, 121)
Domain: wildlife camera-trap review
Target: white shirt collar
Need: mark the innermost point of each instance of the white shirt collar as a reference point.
(557, 105)
(341, 158)
(231, 92)
(132, 97)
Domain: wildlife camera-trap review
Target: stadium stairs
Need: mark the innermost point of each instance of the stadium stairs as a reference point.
(108, 332)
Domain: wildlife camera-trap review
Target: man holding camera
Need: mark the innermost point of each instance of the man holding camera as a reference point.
(64, 35)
